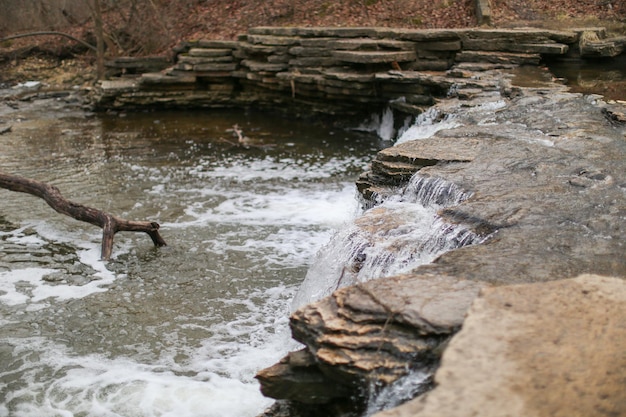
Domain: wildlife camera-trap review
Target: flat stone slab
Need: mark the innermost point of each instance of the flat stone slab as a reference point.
(374, 57)
(210, 52)
(456, 149)
(163, 79)
(371, 44)
(521, 36)
(551, 349)
(273, 40)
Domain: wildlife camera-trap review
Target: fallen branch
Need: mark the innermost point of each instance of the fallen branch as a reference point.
(110, 224)
(50, 33)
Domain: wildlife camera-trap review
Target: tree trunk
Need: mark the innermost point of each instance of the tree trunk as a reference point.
(99, 31)
(110, 224)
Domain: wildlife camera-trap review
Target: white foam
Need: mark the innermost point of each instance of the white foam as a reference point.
(289, 247)
(427, 124)
(10, 280)
(95, 386)
(217, 380)
(269, 168)
(278, 206)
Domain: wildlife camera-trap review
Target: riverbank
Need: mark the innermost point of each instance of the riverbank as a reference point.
(44, 58)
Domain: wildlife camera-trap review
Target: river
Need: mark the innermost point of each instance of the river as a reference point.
(174, 331)
(179, 330)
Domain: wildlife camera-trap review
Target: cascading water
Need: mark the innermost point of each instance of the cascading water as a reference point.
(382, 125)
(427, 124)
(405, 388)
(395, 236)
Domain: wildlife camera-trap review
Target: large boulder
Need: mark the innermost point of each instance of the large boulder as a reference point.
(551, 349)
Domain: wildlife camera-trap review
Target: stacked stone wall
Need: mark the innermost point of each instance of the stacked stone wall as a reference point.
(342, 70)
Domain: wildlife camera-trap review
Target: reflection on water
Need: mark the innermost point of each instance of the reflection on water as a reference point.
(179, 330)
(595, 76)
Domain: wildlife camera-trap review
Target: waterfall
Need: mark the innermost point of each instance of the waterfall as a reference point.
(427, 124)
(431, 191)
(405, 388)
(394, 237)
(381, 124)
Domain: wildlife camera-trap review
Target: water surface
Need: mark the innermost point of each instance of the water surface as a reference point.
(175, 331)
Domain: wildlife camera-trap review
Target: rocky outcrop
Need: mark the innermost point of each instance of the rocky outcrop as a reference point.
(375, 332)
(551, 349)
(396, 165)
(593, 45)
(546, 175)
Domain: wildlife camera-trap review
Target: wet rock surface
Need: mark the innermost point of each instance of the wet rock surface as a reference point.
(370, 332)
(546, 172)
(550, 349)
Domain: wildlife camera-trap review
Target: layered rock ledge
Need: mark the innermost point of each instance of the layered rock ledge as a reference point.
(337, 71)
(546, 171)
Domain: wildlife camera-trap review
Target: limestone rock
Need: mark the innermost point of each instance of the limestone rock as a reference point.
(164, 80)
(395, 165)
(374, 57)
(217, 44)
(375, 331)
(210, 52)
(498, 57)
(552, 349)
(367, 44)
(298, 378)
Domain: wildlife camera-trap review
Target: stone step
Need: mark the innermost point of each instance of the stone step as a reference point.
(592, 46)
(306, 62)
(429, 151)
(195, 60)
(273, 40)
(258, 49)
(526, 35)
(374, 57)
(366, 44)
(159, 80)
(210, 52)
(349, 76)
(302, 51)
(264, 66)
(453, 45)
(217, 67)
(512, 46)
(498, 57)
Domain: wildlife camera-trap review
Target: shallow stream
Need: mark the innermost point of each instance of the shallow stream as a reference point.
(175, 331)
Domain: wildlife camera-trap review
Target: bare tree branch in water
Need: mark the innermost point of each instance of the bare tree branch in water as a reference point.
(109, 224)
